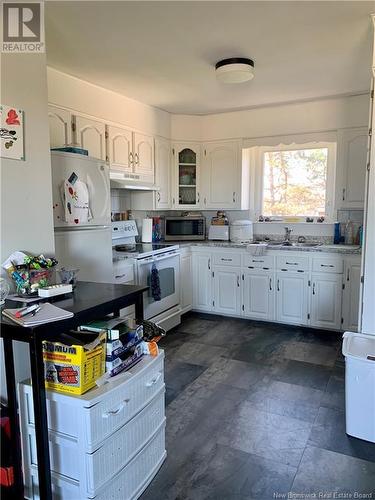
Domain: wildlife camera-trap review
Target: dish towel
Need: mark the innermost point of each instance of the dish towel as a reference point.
(155, 283)
(257, 248)
(76, 202)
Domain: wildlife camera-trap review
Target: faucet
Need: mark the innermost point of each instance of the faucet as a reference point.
(287, 236)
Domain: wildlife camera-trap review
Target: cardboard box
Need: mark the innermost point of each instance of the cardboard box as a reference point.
(74, 366)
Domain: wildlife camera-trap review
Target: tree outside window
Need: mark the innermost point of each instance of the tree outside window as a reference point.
(294, 182)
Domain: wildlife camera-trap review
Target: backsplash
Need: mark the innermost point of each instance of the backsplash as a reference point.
(120, 201)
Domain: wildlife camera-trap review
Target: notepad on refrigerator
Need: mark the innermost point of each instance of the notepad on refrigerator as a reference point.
(47, 314)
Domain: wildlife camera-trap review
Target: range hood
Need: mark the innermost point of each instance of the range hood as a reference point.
(131, 182)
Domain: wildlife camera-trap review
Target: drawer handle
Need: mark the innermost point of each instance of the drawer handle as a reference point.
(327, 265)
(153, 380)
(254, 260)
(291, 263)
(120, 276)
(250, 267)
(113, 413)
(226, 260)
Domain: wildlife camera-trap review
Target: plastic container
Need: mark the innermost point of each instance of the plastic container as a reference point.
(337, 234)
(349, 233)
(359, 352)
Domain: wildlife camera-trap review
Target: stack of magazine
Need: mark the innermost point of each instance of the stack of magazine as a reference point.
(46, 314)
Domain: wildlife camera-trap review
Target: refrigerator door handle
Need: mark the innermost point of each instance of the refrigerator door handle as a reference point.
(79, 228)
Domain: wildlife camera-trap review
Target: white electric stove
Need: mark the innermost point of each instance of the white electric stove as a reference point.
(136, 260)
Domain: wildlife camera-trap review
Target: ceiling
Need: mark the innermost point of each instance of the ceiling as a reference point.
(163, 53)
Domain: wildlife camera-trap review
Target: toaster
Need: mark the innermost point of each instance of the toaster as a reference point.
(218, 233)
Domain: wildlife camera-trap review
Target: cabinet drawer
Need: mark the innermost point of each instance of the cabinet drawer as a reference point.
(101, 420)
(92, 470)
(328, 265)
(261, 262)
(122, 273)
(293, 262)
(226, 259)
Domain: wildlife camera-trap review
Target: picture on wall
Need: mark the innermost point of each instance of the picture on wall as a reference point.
(11, 133)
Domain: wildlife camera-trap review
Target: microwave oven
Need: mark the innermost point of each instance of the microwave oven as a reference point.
(185, 228)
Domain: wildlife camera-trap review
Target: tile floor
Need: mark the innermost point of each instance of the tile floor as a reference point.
(256, 411)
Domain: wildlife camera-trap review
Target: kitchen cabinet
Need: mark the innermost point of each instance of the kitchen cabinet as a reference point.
(186, 281)
(60, 126)
(90, 134)
(351, 167)
(143, 148)
(226, 290)
(163, 197)
(258, 294)
(186, 176)
(291, 297)
(350, 300)
(221, 175)
(120, 148)
(326, 291)
(202, 282)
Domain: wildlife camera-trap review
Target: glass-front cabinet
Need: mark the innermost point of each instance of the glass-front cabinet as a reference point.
(187, 163)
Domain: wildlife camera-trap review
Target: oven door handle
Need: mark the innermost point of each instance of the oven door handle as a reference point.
(158, 259)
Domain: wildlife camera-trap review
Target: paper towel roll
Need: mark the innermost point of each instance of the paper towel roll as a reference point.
(147, 231)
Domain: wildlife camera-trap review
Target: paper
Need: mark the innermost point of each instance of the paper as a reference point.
(47, 314)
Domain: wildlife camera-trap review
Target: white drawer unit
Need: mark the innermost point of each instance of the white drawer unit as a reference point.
(95, 435)
(328, 265)
(226, 259)
(292, 262)
(123, 272)
(128, 484)
(266, 262)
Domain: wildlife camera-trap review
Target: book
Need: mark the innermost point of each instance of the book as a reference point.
(47, 314)
(115, 327)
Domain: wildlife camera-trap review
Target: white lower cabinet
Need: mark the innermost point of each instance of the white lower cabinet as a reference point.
(258, 295)
(285, 287)
(186, 281)
(106, 444)
(326, 291)
(350, 299)
(226, 290)
(291, 297)
(202, 282)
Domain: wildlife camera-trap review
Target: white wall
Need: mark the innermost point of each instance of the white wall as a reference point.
(26, 191)
(283, 119)
(78, 95)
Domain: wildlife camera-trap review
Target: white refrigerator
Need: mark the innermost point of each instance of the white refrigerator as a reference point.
(84, 242)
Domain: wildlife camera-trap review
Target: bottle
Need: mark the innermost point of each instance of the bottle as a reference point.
(349, 233)
(337, 234)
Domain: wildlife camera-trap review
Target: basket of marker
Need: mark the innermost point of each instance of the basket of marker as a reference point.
(29, 273)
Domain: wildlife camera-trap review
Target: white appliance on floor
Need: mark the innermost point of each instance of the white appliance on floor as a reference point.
(140, 258)
(85, 245)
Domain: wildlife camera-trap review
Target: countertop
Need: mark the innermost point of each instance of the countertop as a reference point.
(341, 249)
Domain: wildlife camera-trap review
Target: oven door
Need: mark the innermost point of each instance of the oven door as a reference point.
(168, 266)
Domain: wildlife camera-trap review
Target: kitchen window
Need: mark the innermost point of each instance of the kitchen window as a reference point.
(295, 180)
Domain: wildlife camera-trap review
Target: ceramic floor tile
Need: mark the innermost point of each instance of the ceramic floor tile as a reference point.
(309, 353)
(328, 432)
(302, 373)
(323, 471)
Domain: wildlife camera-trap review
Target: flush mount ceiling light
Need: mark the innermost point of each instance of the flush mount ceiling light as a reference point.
(235, 70)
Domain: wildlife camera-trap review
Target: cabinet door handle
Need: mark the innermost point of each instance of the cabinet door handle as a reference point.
(136, 157)
(343, 194)
(278, 285)
(158, 196)
(270, 284)
(173, 201)
(198, 197)
(205, 200)
(348, 275)
(238, 281)
(131, 158)
(313, 289)
(209, 264)
(234, 196)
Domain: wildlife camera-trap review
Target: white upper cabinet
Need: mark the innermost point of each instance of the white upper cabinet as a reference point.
(143, 149)
(90, 135)
(326, 291)
(351, 167)
(163, 173)
(120, 148)
(186, 176)
(221, 175)
(60, 127)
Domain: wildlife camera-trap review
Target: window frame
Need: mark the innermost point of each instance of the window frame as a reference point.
(257, 177)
